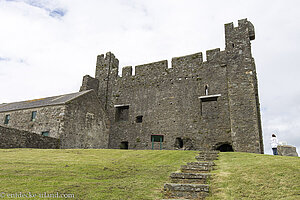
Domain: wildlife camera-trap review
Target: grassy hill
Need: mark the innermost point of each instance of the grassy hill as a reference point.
(256, 176)
(88, 174)
(127, 174)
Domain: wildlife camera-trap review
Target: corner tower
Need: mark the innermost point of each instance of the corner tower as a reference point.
(244, 104)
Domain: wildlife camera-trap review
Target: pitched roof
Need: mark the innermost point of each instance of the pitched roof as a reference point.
(48, 101)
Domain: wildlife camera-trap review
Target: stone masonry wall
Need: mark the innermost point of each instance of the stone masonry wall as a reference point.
(14, 138)
(85, 124)
(168, 100)
(48, 118)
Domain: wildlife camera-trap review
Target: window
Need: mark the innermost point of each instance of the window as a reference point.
(206, 90)
(45, 133)
(7, 118)
(33, 116)
(139, 119)
(122, 113)
(157, 138)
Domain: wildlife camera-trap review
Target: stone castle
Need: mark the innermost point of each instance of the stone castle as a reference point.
(193, 104)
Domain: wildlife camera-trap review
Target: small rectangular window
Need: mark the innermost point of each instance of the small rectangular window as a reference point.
(7, 118)
(139, 119)
(45, 133)
(122, 113)
(33, 116)
(157, 138)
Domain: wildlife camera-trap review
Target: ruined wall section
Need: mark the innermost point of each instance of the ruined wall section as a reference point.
(89, 83)
(85, 123)
(168, 100)
(243, 92)
(15, 138)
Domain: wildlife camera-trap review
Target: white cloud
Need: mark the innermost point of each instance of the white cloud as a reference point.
(47, 46)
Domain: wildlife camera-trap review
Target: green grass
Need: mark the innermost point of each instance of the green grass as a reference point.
(256, 176)
(88, 174)
(128, 174)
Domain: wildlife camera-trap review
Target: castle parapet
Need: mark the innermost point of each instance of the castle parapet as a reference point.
(187, 61)
(152, 69)
(213, 55)
(127, 71)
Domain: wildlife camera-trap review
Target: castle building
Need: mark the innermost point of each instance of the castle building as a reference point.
(193, 104)
(76, 119)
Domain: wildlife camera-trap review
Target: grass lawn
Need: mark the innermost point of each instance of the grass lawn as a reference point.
(88, 174)
(256, 176)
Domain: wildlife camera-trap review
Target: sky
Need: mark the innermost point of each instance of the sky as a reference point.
(47, 46)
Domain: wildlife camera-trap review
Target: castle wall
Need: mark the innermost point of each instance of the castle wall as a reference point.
(14, 138)
(168, 100)
(85, 124)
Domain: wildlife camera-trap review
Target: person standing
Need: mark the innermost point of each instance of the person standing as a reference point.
(274, 143)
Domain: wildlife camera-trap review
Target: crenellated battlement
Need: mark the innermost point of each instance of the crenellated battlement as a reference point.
(237, 44)
(160, 68)
(151, 69)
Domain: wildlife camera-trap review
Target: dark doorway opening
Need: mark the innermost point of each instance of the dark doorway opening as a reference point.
(225, 148)
(124, 145)
(179, 143)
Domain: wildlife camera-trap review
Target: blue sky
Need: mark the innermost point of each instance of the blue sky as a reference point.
(48, 45)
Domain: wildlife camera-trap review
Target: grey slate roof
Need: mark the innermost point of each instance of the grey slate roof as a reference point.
(48, 101)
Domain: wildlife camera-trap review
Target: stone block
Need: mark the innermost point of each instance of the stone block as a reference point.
(287, 150)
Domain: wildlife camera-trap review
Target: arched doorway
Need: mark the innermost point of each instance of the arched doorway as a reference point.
(225, 148)
(179, 143)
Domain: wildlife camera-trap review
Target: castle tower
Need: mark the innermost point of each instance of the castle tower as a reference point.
(242, 88)
(106, 72)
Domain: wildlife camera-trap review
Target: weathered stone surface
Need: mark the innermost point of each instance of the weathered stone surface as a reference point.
(195, 169)
(199, 178)
(196, 164)
(227, 115)
(206, 158)
(287, 150)
(14, 138)
(191, 191)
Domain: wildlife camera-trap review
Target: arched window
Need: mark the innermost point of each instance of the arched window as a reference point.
(206, 90)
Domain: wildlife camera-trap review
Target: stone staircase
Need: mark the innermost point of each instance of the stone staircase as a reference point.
(192, 181)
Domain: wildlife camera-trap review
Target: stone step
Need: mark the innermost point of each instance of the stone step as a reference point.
(195, 169)
(212, 151)
(208, 154)
(203, 163)
(189, 191)
(206, 158)
(195, 178)
(176, 199)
